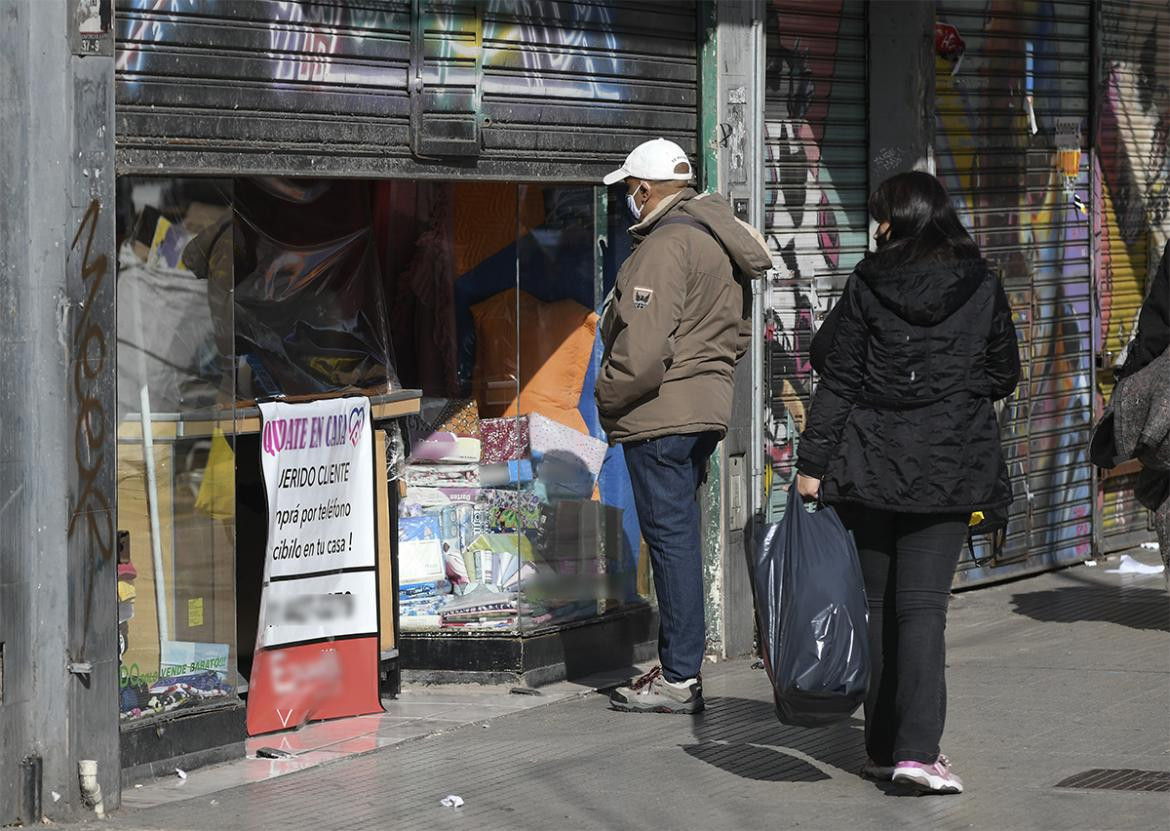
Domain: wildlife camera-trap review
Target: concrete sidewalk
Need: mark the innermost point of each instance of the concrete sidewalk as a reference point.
(1050, 677)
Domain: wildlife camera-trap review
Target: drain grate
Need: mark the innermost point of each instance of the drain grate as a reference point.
(1119, 779)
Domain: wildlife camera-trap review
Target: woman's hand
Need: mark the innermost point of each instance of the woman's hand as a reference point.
(808, 487)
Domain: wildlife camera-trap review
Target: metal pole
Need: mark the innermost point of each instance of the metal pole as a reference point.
(160, 592)
(756, 217)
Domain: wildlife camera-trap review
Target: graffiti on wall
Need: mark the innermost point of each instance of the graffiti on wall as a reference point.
(1132, 193)
(303, 41)
(571, 39)
(995, 152)
(815, 218)
(520, 77)
(313, 43)
(91, 356)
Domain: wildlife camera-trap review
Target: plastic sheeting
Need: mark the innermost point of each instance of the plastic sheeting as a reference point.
(310, 312)
(165, 338)
(810, 601)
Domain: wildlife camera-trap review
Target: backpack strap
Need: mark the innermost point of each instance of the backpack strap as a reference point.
(979, 563)
(685, 219)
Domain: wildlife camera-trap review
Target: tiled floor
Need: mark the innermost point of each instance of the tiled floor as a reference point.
(418, 712)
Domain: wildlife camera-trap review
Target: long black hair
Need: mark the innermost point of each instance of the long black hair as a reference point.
(923, 225)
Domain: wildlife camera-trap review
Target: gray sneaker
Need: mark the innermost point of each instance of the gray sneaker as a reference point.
(654, 694)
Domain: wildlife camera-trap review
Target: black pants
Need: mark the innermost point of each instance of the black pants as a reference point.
(908, 562)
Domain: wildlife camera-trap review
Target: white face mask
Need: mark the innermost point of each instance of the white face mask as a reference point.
(632, 205)
(635, 211)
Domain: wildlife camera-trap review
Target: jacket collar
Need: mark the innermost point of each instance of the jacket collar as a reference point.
(643, 228)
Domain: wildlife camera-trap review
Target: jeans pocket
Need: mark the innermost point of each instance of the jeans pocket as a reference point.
(674, 450)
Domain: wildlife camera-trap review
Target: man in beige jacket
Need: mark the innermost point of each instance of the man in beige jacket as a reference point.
(678, 319)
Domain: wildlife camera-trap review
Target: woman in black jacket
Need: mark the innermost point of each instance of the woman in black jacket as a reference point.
(903, 441)
(1153, 329)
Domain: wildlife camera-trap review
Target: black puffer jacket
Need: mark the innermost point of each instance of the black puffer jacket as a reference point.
(910, 363)
(1153, 334)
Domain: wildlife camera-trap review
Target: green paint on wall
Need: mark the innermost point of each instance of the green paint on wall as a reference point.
(708, 96)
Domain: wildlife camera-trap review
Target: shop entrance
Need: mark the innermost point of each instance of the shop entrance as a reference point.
(515, 552)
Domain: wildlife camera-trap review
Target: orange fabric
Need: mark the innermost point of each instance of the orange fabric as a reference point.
(556, 345)
(486, 214)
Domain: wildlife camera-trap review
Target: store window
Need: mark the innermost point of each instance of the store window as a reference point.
(229, 292)
(516, 514)
(513, 513)
(176, 465)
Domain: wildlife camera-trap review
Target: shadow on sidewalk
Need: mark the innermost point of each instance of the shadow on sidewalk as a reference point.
(747, 728)
(749, 761)
(1135, 607)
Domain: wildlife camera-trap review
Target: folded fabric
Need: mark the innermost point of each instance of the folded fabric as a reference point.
(422, 591)
(508, 509)
(441, 475)
(445, 448)
(446, 415)
(420, 550)
(505, 473)
(424, 497)
(503, 440)
(496, 558)
(551, 437)
(461, 417)
(483, 603)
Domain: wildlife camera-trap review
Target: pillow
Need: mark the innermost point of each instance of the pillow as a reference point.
(555, 348)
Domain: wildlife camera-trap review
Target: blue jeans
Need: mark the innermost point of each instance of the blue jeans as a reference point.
(666, 474)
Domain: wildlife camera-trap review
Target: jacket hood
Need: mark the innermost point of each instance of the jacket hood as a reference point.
(925, 294)
(744, 244)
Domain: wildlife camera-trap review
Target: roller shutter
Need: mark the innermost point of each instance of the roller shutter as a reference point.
(815, 195)
(1025, 70)
(519, 89)
(1132, 183)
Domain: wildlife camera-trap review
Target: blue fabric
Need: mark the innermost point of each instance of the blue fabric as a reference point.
(614, 481)
(666, 474)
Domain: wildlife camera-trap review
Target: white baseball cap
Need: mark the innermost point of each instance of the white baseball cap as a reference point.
(653, 161)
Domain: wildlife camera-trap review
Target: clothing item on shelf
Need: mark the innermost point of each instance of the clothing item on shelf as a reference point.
(446, 448)
(508, 509)
(505, 473)
(481, 605)
(459, 416)
(442, 475)
(503, 440)
(555, 348)
(549, 437)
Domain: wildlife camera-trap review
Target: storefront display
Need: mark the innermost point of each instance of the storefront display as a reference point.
(513, 515)
(511, 490)
(229, 291)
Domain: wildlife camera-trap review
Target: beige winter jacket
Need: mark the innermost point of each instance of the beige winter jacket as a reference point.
(678, 319)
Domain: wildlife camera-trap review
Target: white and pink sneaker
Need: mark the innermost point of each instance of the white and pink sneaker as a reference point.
(935, 778)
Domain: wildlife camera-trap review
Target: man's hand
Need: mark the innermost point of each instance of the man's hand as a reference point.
(808, 487)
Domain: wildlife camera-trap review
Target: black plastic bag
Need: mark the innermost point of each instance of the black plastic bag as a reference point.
(810, 601)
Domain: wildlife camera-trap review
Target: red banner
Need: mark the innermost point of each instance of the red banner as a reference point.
(295, 684)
